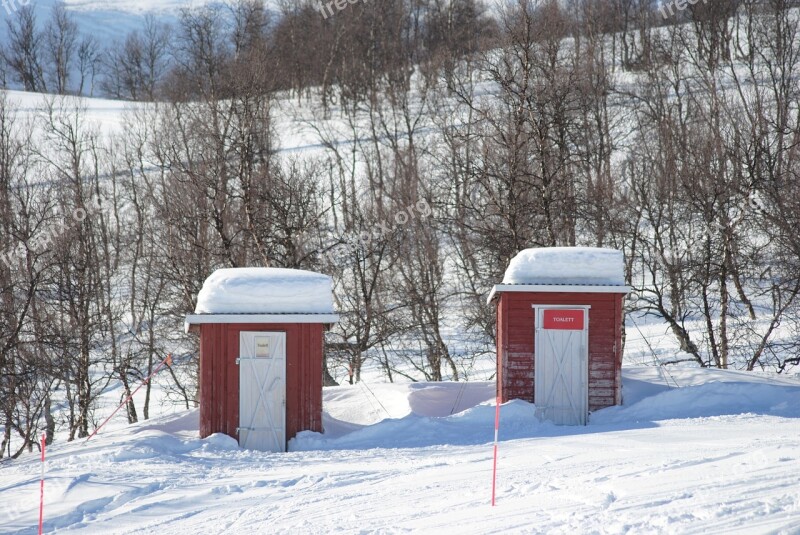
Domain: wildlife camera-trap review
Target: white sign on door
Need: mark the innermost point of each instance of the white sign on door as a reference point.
(262, 347)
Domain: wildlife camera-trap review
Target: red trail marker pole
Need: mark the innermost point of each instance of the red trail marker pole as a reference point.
(41, 489)
(496, 430)
(167, 361)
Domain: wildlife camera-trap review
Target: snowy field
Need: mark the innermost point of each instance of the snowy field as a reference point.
(720, 453)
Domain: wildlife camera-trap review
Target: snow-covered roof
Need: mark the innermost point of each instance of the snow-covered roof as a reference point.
(565, 269)
(567, 265)
(264, 291)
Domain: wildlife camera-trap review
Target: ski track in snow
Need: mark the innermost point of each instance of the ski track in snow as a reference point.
(640, 468)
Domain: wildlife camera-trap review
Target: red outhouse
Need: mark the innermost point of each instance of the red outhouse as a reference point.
(261, 352)
(560, 320)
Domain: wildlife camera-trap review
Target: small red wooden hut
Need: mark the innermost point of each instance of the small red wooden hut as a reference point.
(261, 353)
(560, 321)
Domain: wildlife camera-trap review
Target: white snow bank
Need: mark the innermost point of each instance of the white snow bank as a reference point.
(473, 426)
(650, 394)
(361, 404)
(265, 291)
(567, 265)
(411, 415)
(421, 415)
(732, 474)
(447, 398)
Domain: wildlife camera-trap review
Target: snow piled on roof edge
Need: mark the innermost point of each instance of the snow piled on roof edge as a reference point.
(266, 291)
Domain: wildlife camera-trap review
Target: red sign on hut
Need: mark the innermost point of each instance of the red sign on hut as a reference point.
(565, 320)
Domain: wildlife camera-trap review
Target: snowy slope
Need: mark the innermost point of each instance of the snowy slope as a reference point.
(108, 20)
(105, 20)
(717, 455)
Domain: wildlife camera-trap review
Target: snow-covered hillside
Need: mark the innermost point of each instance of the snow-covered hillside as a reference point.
(691, 450)
(106, 20)
(719, 454)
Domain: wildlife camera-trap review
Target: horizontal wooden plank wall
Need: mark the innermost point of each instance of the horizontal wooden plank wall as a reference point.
(515, 341)
(219, 376)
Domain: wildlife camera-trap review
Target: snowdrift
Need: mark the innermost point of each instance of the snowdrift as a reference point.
(691, 451)
(648, 399)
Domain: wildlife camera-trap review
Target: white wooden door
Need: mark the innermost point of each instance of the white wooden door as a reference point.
(561, 379)
(262, 391)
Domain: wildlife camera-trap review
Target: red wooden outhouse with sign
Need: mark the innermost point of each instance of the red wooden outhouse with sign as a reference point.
(261, 353)
(560, 321)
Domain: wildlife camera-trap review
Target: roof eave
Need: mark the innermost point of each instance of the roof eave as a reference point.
(557, 288)
(193, 320)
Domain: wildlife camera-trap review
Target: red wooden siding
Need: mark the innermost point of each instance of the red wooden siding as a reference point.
(219, 376)
(515, 344)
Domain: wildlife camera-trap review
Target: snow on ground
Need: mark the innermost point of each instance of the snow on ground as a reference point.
(719, 453)
(103, 115)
